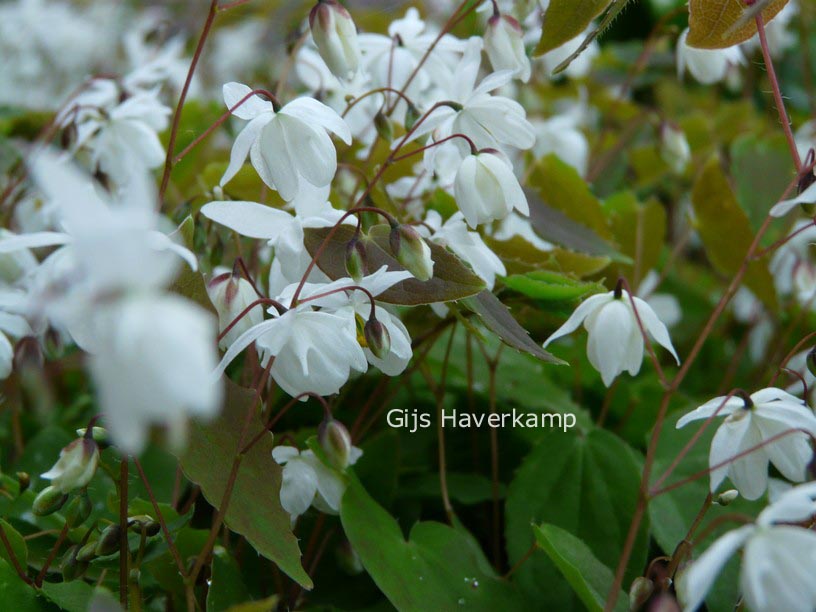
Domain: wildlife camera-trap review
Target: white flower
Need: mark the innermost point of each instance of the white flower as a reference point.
(788, 256)
(515, 225)
(486, 189)
(769, 413)
(615, 341)
(560, 135)
(314, 351)
(286, 145)
(580, 66)
(468, 245)
(674, 148)
(152, 365)
(335, 35)
(706, 65)
(75, 467)
(307, 481)
(231, 295)
(808, 196)
(778, 560)
(489, 121)
(504, 43)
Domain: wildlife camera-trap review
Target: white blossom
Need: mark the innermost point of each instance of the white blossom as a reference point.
(486, 189)
(706, 65)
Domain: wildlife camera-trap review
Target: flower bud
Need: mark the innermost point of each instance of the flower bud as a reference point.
(640, 592)
(71, 567)
(674, 148)
(98, 435)
(48, 501)
(231, 295)
(23, 481)
(335, 441)
(109, 541)
(335, 35)
(143, 521)
(356, 260)
(78, 511)
(384, 127)
(377, 338)
(504, 44)
(726, 497)
(75, 467)
(412, 251)
(87, 552)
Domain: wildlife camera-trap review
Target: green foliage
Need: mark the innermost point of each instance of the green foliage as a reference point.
(717, 24)
(566, 19)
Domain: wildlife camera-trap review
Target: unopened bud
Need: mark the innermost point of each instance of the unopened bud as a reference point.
(138, 523)
(48, 501)
(335, 35)
(87, 552)
(504, 44)
(109, 541)
(384, 127)
(335, 441)
(356, 260)
(23, 481)
(71, 567)
(412, 115)
(674, 148)
(377, 338)
(640, 592)
(412, 251)
(78, 511)
(98, 435)
(726, 497)
(76, 465)
(231, 295)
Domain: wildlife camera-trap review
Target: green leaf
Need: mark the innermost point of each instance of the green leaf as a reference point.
(254, 510)
(452, 279)
(551, 286)
(438, 568)
(566, 19)
(640, 229)
(726, 232)
(227, 585)
(588, 577)
(717, 24)
(15, 594)
(497, 318)
(587, 484)
(74, 596)
(18, 545)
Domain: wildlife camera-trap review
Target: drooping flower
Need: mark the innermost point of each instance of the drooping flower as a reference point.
(615, 340)
(285, 145)
(674, 148)
(75, 467)
(486, 189)
(335, 35)
(308, 482)
(504, 44)
(706, 65)
(754, 426)
(778, 559)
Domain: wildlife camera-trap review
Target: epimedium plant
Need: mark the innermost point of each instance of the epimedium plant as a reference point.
(245, 318)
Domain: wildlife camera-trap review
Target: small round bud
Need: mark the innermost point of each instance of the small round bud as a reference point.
(412, 251)
(76, 465)
(726, 497)
(98, 435)
(109, 541)
(23, 481)
(87, 552)
(143, 521)
(335, 35)
(384, 127)
(377, 338)
(335, 441)
(412, 115)
(71, 567)
(356, 265)
(78, 511)
(48, 501)
(640, 592)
